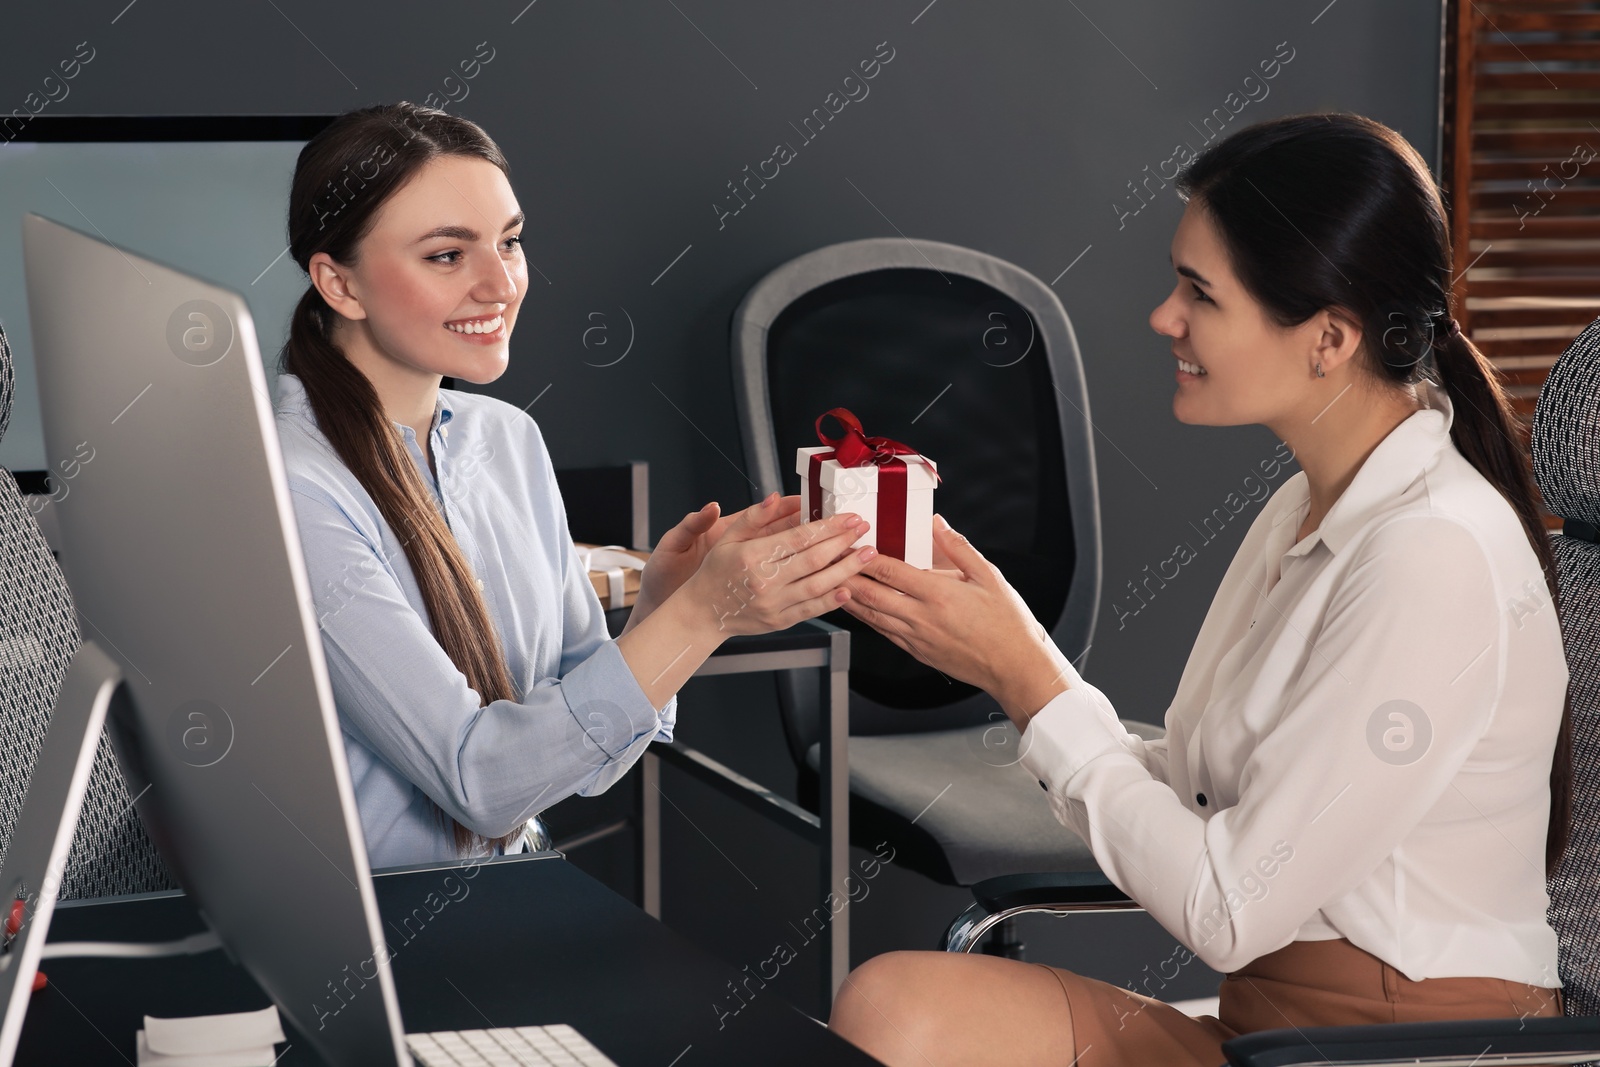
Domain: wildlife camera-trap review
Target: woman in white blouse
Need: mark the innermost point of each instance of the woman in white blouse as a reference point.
(1365, 773)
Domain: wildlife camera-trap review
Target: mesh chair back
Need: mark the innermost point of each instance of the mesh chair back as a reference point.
(1566, 463)
(968, 359)
(110, 854)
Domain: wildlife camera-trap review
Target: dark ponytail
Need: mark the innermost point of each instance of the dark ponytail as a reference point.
(343, 175)
(1335, 210)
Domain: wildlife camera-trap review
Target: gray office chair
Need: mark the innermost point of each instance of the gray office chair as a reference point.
(38, 634)
(973, 361)
(1566, 464)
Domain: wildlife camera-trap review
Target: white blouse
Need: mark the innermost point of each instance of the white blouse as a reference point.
(1360, 745)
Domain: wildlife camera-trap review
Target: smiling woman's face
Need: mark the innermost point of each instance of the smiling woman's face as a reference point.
(442, 260)
(1253, 368)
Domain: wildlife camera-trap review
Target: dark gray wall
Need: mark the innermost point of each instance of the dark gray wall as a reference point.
(1011, 127)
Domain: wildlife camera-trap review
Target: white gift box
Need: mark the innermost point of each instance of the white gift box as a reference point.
(855, 489)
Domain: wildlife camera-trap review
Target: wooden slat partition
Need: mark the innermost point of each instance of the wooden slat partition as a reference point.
(1522, 171)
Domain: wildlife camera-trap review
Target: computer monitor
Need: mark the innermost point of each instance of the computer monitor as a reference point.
(178, 538)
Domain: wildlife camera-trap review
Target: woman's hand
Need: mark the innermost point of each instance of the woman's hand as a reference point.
(974, 627)
(679, 554)
(683, 548)
(769, 571)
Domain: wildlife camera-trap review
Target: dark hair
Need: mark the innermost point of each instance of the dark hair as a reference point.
(343, 175)
(1335, 210)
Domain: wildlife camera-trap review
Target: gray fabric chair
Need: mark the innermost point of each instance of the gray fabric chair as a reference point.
(1566, 461)
(973, 361)
(110, 854)
(1566, 464)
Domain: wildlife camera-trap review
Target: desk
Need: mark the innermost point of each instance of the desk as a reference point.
(533, 940)
(807, 645)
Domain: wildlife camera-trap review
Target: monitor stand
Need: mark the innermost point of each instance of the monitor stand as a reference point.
(37, 855)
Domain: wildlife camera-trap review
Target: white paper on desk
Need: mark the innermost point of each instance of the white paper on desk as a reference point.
(238, 1039)
(251, 1057)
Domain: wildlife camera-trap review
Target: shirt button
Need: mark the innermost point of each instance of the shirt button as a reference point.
(1201, 797)
(444, 431)
(1044, 787)
(480, 586)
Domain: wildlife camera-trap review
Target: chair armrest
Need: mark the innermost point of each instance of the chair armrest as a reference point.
(1011, 891)
(998, 899)
(1464, 1041)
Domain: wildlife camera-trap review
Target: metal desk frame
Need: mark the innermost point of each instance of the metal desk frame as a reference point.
(829, 829)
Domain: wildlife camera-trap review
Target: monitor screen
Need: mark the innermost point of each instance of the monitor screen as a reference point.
(207, 195)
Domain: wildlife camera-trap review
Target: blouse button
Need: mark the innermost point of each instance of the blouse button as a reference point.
(1044, 787)
(480, 586)
(1201, 797)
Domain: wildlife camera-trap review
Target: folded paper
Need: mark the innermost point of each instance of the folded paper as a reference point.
(238, 1039)
(888, 483)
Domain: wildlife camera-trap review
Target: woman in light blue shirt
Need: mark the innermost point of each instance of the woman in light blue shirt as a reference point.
(475, 681)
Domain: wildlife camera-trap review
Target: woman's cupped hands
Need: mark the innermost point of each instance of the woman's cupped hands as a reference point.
(963, 619)
(760, 569)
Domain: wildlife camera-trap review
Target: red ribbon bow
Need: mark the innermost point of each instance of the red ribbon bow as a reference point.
(856, 449)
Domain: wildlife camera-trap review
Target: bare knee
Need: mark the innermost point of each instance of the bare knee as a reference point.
(883, 998)
(902, 1006)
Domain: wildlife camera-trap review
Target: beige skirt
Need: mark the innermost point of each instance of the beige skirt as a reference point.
(1305, 983)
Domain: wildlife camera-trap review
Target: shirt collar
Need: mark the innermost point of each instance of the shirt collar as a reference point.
(1389, 470)
(442, 411)
(292, 400)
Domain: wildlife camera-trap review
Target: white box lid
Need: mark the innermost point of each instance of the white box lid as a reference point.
(843, 481)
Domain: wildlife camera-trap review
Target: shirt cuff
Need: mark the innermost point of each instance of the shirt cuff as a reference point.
(669, 720)
(608, 703)
(1075, 728)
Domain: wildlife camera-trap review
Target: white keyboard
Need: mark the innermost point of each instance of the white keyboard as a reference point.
(522, 1046)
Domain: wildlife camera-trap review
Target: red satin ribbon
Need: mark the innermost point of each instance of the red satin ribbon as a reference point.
(856, 449)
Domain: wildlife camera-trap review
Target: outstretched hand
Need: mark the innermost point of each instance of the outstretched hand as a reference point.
(769, 572)
(765, 571)
(971, 625)
(683, 548)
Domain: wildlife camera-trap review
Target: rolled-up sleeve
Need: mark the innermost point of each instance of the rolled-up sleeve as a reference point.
(490, 767)
(1397, 687)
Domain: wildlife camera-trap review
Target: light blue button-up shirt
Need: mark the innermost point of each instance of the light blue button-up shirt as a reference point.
(413, 728)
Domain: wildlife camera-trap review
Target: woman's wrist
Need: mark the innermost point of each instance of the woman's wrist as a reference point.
(669, 644)
(693, 616)
(1036, 676)
(643, 605)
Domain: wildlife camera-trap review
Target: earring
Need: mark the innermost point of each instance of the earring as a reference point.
(1319, 371)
